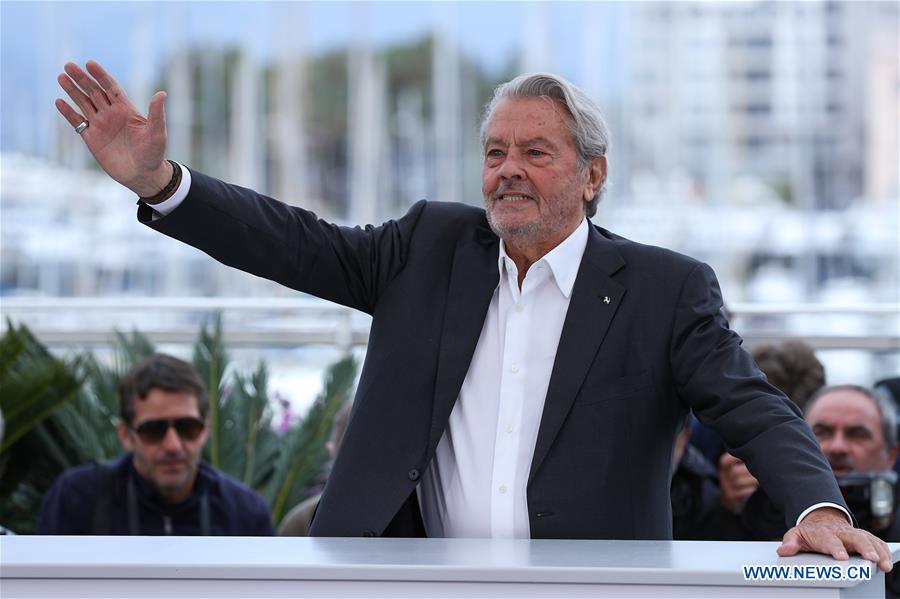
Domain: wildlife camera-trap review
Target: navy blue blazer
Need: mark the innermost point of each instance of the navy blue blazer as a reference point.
(644, 341)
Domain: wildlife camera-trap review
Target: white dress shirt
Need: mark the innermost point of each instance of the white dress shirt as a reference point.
(476, 484)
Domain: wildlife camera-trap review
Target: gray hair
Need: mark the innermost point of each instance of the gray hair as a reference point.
(589, 130)
(885, 408)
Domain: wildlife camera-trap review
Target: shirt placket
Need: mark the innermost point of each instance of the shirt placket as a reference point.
(515, 322)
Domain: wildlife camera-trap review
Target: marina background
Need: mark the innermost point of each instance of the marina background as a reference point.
(761, 137)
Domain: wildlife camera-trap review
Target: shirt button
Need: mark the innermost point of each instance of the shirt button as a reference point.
(514, 368)
(502, 489)
(509, 428)
(519, 307)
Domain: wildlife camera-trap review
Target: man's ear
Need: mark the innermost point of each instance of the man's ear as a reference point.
(204, 436)
(596, 176)
(124, 436)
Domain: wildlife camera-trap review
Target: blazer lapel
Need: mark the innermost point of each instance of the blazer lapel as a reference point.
(473, 279)
(595, 299)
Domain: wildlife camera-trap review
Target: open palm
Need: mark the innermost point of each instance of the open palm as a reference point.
(127, 145)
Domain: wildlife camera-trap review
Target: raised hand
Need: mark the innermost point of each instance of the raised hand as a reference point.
(128, 146)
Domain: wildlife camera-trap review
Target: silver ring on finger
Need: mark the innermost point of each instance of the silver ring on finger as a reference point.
(80, 128)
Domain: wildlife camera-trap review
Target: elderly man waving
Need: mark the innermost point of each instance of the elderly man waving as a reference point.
(527, 370)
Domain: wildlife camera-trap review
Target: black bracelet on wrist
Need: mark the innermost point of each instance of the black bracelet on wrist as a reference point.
(171, 186)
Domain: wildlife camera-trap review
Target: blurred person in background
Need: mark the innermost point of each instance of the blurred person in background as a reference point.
(513, 335)
(296, 522)
(856, 429)
(160, 486)
(889, 388)
(695, 492)
(793, 368)
(697, 512)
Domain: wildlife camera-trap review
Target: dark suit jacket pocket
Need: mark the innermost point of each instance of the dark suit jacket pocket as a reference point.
(599, 391)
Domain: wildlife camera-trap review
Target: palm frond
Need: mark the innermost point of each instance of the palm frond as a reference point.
(303, 453)
(211, 361)
(32, 383)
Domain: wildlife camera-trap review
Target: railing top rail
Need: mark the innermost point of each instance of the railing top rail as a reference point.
(311, 303)
(168, 303)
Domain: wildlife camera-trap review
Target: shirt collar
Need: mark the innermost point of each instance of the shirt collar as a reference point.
(563, 260)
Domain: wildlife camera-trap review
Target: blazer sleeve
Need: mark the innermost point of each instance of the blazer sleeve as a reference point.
(727, 391)
(286, 244)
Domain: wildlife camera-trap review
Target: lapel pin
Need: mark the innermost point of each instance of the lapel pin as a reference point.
(605, 299)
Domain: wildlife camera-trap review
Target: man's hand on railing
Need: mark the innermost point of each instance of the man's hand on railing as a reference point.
(826, 530)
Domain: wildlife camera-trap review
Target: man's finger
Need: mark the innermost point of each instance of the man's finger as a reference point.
(157, 113)
(885, 559)
(791, 543)
(112, 88)
(869, 547)
(68, 113)
(834, 545)
(78, 96)
(87, 84)
(788, 549)
(728, 461)
(80, 78)
(745, 480)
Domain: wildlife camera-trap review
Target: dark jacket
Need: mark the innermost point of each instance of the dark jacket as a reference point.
(644, 341)
(218, 505)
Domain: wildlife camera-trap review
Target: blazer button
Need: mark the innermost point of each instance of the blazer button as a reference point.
(414, 474)
(368, 533)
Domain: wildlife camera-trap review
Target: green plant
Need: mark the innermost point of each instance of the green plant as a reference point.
(243, 442)
(303, 455)
(62, 413)
(211, 361)
(32, 383)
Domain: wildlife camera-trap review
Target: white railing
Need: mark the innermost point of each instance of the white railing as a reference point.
(290, 322)
(123, 566)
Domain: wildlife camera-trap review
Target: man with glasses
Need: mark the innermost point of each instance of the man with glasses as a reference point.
(160, 486)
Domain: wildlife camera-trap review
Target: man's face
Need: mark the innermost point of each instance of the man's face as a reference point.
(533, 190)
(170, 464)
(848, 427)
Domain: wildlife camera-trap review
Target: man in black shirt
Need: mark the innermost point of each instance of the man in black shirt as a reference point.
(160, 486)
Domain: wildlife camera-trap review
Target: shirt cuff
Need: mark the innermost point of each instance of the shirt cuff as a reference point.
(807, 511)
(167, 206)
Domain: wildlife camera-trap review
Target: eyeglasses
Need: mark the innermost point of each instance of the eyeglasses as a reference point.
(154, 431)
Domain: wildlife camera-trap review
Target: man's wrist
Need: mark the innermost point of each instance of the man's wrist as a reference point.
(178, 195)
(172, 174)
(825, 509)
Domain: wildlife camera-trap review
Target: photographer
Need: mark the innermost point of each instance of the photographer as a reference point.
(857, 432)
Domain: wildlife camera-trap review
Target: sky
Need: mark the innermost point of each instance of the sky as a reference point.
(132, 38)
